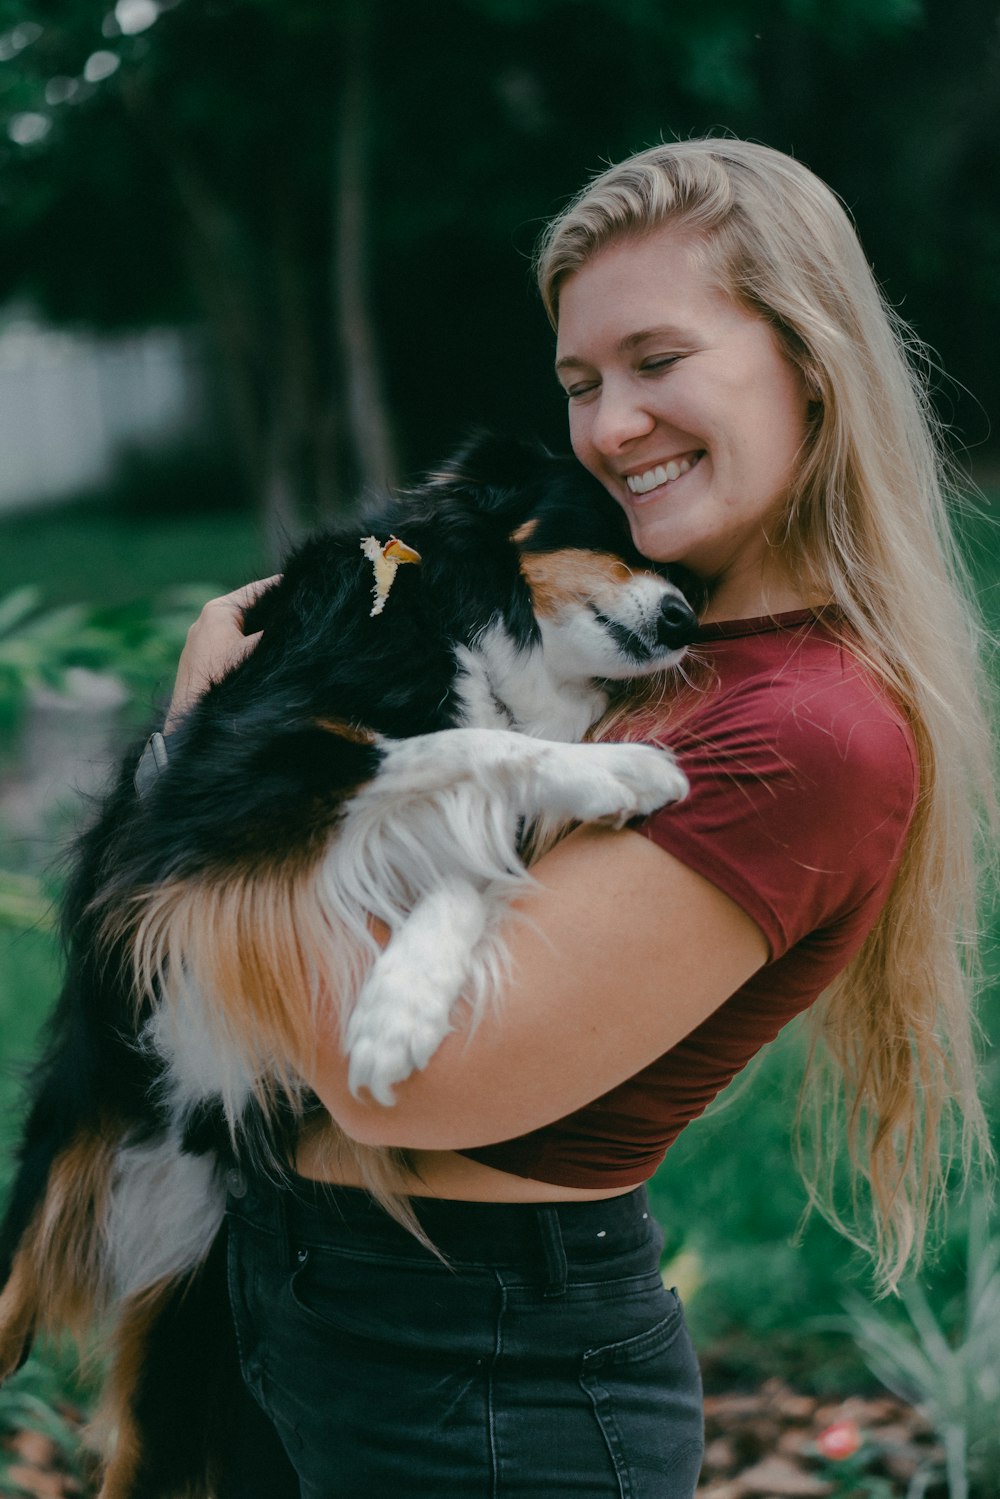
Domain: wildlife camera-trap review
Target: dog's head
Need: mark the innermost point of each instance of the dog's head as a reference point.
(510, 538)
(601, 608)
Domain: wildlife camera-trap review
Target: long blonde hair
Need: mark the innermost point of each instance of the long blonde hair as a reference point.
(867, 525)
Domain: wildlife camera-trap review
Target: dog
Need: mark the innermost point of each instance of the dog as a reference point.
(416, 703)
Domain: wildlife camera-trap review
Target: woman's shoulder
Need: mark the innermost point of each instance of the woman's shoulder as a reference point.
(803, 779)
(794, 692)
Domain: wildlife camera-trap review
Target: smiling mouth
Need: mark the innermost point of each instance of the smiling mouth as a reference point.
(663, 473)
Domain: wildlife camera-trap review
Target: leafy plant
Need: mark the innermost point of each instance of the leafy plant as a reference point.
(24, 902)
(137, 642)
(953, 1381)
(36, 1401)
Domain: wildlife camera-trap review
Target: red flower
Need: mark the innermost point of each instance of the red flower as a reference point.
(840, 1440)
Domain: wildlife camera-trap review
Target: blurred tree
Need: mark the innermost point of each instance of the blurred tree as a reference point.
(343, 194)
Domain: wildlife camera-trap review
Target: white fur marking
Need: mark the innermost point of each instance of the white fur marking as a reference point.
(166, 1209)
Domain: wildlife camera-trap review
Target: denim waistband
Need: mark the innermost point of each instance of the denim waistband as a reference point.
(318, 1214)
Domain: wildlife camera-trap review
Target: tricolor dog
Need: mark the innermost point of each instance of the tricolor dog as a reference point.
(418, 697)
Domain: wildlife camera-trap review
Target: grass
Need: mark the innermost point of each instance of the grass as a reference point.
(81, 556)
(168, 519)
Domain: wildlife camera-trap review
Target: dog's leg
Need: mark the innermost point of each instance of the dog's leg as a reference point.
(59, 1277)
(19, 1312)
(578, 782)
(604, 782)
(402, 1014)
(457, 797)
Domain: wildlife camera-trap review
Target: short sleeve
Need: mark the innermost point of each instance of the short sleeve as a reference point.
(801, 795)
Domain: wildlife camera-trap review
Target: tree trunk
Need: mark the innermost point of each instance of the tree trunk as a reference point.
(262, 392)
(368, 420)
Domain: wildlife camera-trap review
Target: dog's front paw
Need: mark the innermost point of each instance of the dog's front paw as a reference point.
(403, 1011)
(649, 778)
(613, 782)
(396, 1027)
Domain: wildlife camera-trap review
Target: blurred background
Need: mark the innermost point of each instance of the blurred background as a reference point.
(258, 256)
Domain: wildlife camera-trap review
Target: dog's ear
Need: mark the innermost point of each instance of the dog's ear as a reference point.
(492, 461)
(497, 479)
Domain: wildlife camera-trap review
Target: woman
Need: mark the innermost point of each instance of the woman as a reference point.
(736, 384)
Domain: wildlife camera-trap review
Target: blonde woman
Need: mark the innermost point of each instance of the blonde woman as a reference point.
(736, 383)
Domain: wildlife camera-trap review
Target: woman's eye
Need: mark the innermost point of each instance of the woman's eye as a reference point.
(576, 392)
(661, 362)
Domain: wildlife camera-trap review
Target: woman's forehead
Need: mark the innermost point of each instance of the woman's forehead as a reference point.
(637, 291)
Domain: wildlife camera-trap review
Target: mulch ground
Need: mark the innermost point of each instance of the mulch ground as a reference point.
(773, 1443)
(32, 1466)
(778, 1444)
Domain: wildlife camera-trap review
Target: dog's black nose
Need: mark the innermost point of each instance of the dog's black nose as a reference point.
(677, 623)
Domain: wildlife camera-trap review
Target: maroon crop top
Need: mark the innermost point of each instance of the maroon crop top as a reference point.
(803, 777)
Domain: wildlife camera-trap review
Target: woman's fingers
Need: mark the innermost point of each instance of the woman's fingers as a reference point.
(215, 642)
(241, 598)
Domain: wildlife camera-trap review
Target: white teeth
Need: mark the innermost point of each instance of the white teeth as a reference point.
(654, 477)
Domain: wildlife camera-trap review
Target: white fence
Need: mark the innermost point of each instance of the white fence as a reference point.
(69, 402)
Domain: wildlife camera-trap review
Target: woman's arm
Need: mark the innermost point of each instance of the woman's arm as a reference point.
(625, 951)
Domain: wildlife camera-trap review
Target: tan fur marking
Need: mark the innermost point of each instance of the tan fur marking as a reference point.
(113, 1429)
(59, 1279)
(557, 579)
(524, 533)
(19, 1304)
(259, 954)
(344, 730)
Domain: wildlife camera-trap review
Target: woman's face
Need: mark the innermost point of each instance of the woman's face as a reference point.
(685, 407)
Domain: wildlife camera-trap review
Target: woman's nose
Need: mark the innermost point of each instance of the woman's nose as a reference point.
(619, 418)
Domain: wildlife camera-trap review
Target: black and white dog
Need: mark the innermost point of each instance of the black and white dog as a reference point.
(368, 759)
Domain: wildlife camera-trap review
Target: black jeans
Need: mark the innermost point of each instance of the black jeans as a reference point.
(546, 1358)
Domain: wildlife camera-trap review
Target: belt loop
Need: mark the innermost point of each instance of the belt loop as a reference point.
(554, 1251)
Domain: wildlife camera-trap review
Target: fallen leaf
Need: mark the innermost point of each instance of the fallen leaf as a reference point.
(778, 1477)
(34, 1447)
(720, 1454)
(37, 1482)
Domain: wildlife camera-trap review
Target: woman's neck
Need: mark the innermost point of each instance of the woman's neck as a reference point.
(755, 596)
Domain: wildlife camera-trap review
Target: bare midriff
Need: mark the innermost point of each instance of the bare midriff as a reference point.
(435, 1173)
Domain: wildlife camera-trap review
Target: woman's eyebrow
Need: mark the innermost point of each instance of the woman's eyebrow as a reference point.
(662, 330)
(631, 341)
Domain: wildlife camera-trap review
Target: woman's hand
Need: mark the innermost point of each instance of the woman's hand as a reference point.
(215, 642)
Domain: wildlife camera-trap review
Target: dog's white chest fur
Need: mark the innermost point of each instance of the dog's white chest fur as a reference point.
(511, 688)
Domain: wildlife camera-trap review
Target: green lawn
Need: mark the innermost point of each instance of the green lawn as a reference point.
(82, 555)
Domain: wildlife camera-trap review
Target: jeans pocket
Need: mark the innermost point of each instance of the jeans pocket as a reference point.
(646, 1395)
(392, 1309)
